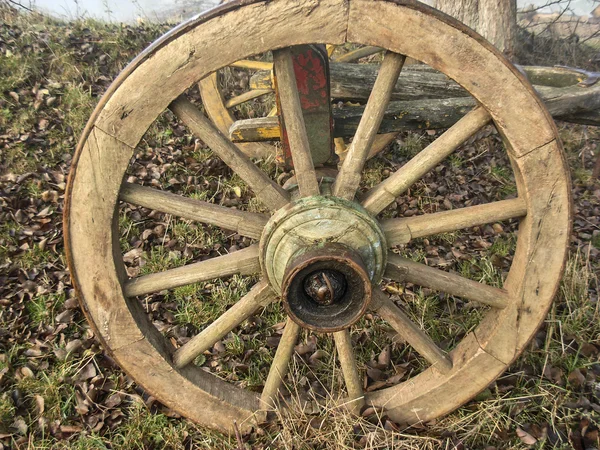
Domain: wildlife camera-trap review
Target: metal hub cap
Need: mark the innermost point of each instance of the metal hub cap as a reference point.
(322, 254)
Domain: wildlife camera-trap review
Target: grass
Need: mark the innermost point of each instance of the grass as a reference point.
(55, 390)
(199, 304)
(147, 430)
(412, 144)
(42, 308)
(35, 257)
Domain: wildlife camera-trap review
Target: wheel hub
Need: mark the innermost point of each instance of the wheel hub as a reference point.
(322, 254)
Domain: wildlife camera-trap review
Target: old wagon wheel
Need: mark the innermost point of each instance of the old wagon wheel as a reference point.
(218, 108)
(325, 286)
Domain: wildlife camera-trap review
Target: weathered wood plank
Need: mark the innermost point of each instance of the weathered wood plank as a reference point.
(355, 82)
(417, 82)
(571, 104)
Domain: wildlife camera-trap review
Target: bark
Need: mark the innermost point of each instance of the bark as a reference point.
(495, 20)
(467, 11)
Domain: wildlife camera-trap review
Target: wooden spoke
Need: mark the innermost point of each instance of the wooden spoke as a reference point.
(254, 65)
(357, 54)
(266, 190)
(246, 96)
(243, 222)
(343, 344)
(280, 365)
(386, 192)
(259, 296)
(402, 269)
(294, 123)
(410, 332)
(402, 230)
(348, 180)
(244, 262)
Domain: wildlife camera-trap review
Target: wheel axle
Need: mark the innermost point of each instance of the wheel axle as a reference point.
(325, 287)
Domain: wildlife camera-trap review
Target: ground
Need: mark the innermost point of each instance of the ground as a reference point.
(59, 388)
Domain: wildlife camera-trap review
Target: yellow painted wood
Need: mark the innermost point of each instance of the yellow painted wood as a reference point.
(250, 64)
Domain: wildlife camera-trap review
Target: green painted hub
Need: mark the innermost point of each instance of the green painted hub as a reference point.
(317, 221)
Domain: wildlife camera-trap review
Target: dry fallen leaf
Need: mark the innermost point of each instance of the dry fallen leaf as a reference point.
(525, 437)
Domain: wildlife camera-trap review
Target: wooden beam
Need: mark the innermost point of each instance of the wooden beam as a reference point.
(280, 365)
(402, 230)
(343, 344)
(347, 181)
(570, 104)
(291, 111)
(379, 197)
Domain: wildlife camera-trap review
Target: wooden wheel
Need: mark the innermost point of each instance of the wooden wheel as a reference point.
(219, 109)
(157, 79)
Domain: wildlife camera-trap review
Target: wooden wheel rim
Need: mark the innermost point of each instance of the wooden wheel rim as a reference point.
(188, 53)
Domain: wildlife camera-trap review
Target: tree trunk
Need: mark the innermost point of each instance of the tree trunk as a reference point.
(495, 20)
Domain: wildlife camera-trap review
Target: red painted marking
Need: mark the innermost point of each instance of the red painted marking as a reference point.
(311, 71)
(310, 77)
